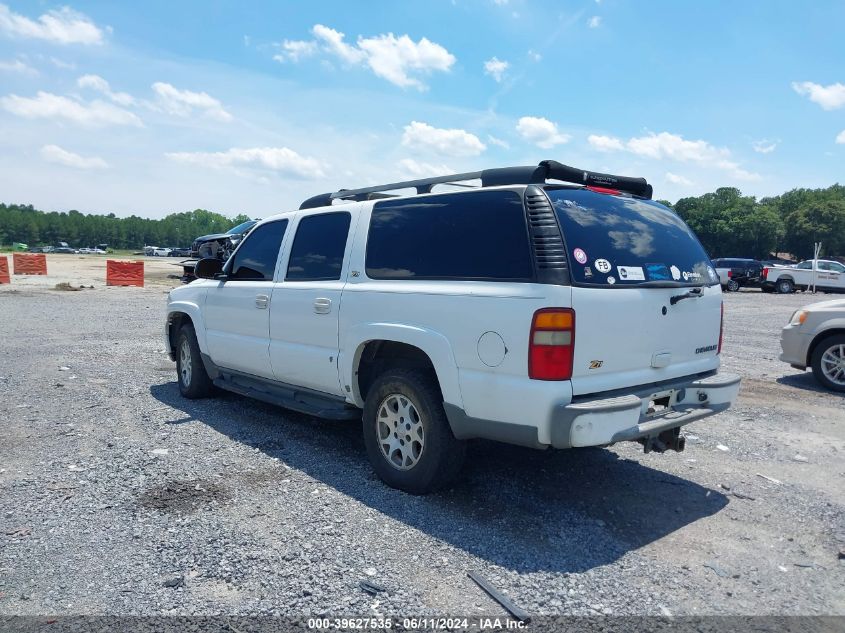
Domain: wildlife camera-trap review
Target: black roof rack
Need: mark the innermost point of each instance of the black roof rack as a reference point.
(546, 170)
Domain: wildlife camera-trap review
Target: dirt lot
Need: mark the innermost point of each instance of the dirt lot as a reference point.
(119, 497)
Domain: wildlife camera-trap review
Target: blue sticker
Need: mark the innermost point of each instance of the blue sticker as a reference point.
(657, 272)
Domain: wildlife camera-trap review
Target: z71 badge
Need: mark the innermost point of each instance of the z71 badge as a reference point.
(596, 364)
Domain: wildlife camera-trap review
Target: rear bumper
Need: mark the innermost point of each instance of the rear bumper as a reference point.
(614, 417)
(600, 421)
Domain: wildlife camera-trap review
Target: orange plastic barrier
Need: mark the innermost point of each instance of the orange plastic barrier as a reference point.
(4, 271)
(124, 273)
(30, 263)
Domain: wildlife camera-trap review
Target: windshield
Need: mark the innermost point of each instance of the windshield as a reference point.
(242, 228)
(614, 240)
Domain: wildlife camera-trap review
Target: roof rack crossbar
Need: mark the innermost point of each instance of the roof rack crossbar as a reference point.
(547, 169)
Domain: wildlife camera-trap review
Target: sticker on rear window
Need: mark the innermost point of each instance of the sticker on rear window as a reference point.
(631, 273)
(603, 266)
(657, 272)
(588, 272)
(580, 256)
(676, 273)
(611, 280)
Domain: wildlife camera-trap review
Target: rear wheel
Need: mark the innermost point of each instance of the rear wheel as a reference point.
(194, 382)
(409, 442)
(828, 362)
(785, 286)
(733, 285)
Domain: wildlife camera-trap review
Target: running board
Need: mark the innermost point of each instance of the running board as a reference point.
(288, 396)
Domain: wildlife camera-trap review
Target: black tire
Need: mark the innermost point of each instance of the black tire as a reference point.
(195, 382)
(733, 285)
(785, 286)
(441, 456)
(816, 361)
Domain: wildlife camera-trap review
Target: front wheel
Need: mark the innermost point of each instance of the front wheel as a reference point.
(194, 381)
(409, 442)
(828, 362)
(785, 286)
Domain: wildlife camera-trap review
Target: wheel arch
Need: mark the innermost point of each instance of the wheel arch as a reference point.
(411, 345)
(839, 328)
(179, 315)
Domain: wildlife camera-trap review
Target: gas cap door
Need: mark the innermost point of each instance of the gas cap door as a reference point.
(661, 359)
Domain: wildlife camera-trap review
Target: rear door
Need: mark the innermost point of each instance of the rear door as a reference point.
(306, 303)
(647, 300)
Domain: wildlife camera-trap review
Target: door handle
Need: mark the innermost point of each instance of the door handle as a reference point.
(262, 301)
(322, 305)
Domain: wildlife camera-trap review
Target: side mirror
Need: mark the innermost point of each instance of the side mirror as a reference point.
(208, 268)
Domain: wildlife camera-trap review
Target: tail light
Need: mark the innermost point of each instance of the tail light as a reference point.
(730, 274)
(552, 344)
(765, 273)
(721, 327)
(604, 190)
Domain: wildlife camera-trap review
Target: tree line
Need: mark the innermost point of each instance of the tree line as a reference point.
(732, 225)
(23, 223)
(727, 223)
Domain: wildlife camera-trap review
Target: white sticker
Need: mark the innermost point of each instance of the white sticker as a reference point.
(603, 266)
(676, 274)
(686, 275)
(611, 280)
(631, 273)
(580, 256)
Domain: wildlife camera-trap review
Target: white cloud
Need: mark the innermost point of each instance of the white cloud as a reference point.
(55, 154)
(396, 58)
(594, 22)
(448, 142)
(295, 50)
(840, 139)
(46, 105)
(278, 159)
(666, 146)
(62, 26)
(60, 63)
(97, 83)
(765, 146)
(497, 141)
(534, 56)
(185, 102)
(399, 60)
(496, 68)
(542, 132)
(605, 143)
(417, 169)
(829, 97)
(17, 66)
(676, 179)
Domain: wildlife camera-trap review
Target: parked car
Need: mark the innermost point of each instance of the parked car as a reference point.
(161, 251)
(815, 337)
(736, 272)
(532, 313)
(64, 247)
(180, 252)
(827, 275)
(217, 245)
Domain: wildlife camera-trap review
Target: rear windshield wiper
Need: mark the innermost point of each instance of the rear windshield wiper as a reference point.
(692, 294)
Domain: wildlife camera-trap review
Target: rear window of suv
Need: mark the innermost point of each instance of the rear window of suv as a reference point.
(479, 235)
(620, 241)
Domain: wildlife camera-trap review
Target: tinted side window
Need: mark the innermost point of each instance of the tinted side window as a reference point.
(805, 265)
(255, 260)
(480, 235)
(317, 252)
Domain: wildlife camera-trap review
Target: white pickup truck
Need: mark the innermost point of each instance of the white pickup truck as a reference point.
(826, 275)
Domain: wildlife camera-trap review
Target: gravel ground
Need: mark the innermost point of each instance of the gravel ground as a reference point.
(117, 496)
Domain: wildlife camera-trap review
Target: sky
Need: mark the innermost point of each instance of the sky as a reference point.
(156, 107)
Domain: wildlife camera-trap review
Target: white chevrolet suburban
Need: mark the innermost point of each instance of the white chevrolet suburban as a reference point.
(542, 306)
